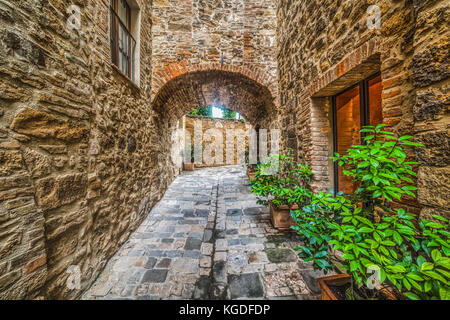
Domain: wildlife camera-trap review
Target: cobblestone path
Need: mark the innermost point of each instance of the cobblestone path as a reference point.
(207, 239)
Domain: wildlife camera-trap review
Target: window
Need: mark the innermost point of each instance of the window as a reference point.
(123, 45)
(354, 108)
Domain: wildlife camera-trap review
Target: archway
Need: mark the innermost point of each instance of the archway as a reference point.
(197, 89)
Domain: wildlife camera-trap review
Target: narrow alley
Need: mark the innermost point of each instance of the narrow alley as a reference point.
(207, 239)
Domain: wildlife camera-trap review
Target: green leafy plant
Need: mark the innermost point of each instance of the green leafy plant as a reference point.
(191, 151)
(282, 180)
(414, 260)
(208, 113)
(192, 154)
(313, 225)
(427, 274)
(373, 237)
(380, 169)
(203, 112)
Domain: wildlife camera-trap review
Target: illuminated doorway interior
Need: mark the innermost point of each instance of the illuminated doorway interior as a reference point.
(357, 106)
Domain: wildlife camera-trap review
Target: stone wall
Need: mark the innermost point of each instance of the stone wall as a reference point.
(217, 132)
(232, 35)
(80, 158)
(326, 46)
(215, 52)
(85, 153)
(430, 73)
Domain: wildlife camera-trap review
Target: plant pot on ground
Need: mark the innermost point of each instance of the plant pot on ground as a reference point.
(281, 216)
(408, 253)
(286, 183)
(382, 246)
(340, 287)
(251, 168)
(190, 166)
(251, 175)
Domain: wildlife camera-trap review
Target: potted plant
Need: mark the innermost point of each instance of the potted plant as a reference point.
(385, 254)
(392, 259)
(251, 168)
(284, 186)
(190, 166)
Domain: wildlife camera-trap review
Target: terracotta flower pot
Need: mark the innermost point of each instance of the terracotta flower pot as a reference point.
(341, 280)
(189, 166)
(251, 175)
(281, 216)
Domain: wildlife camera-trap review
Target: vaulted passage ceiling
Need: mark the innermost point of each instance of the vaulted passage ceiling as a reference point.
(215, 87)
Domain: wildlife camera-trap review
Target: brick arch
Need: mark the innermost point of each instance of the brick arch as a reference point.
(183, 90)
(164, 74)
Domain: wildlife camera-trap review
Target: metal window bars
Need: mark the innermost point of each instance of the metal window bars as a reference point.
(123, 46)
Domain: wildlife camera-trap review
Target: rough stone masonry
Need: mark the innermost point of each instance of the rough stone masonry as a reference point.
(326, 46)
(229, 135)
(85, 153)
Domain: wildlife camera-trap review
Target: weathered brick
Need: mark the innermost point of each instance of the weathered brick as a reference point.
(67, 112)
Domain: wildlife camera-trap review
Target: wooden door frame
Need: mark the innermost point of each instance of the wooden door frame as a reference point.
(364, 105)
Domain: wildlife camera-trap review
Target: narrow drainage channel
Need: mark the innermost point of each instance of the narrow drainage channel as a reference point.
(214, 286)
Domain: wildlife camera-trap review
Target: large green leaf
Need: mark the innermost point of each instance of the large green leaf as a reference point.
(397, 268)
(427, 266)
(397, 237)
(444, 293)
(411, 296)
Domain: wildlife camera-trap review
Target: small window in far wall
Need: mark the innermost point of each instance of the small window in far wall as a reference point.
(123, 44)
(354, 108)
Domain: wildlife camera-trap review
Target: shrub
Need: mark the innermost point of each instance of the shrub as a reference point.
(282, 180)
(414, 260)
(380, 169)
(379, 245)
(373, 238)
(313, 225)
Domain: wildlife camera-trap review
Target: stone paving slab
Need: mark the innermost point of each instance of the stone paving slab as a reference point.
(207, 239)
